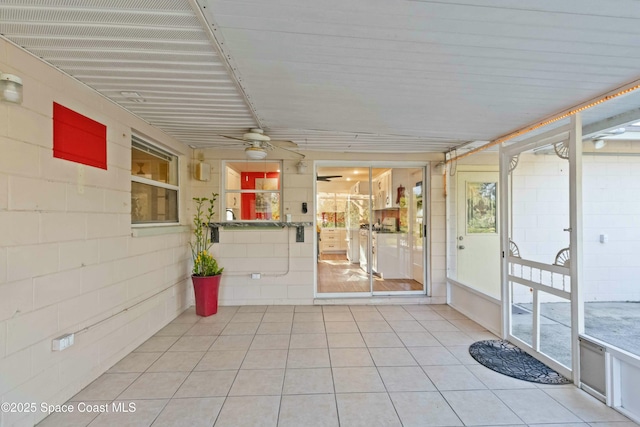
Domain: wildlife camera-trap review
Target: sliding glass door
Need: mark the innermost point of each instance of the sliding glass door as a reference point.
(372, 223)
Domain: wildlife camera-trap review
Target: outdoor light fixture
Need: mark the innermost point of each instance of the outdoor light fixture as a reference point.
(10, 88)
(302, 167)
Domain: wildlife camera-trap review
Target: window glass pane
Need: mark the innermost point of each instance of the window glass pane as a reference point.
(151, 204)
(267, 206)
(151, 163)
(252, 191)
(481, 207)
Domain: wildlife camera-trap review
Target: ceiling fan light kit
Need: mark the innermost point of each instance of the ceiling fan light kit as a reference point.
(255, 153)
(258, 144)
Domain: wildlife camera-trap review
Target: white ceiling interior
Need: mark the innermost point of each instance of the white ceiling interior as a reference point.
(332, 75)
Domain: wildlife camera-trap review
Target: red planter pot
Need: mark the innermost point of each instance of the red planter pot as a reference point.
(206, 292)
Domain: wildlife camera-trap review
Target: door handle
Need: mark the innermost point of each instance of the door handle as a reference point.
(461, 247)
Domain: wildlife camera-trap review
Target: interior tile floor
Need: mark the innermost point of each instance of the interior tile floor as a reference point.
(336, 274)
(386, 365)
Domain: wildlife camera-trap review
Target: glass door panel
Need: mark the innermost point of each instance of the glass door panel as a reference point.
(344, 222)
(398, 258)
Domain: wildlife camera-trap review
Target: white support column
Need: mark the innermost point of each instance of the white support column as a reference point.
(535, 331)
(575, 215)
(505, 201)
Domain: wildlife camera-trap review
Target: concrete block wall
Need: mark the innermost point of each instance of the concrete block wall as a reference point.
(286, 267)
(540, 206)
(540, 211)
(611, 208)
(68, 260)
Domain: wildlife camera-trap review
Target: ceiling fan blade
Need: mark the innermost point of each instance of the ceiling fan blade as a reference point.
(265, 143)
(284, 144)
(234, 138)
(327, 178)
(286, 149)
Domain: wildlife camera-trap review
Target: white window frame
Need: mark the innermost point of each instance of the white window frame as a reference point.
(140, 143)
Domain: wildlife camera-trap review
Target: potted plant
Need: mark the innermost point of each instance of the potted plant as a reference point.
(206, 272)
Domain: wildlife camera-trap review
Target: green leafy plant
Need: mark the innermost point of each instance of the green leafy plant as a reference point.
(204, 264)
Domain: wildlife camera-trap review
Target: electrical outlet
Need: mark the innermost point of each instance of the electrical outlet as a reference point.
(300, 233)
(62, 342)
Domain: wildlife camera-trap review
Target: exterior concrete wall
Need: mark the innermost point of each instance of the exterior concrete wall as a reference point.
(286, 267)
(611, 208)
(67, 256)
(540, 206)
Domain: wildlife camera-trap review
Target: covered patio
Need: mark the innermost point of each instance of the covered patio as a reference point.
(358, 365)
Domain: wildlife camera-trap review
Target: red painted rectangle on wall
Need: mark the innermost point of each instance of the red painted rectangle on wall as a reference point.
(78, 138)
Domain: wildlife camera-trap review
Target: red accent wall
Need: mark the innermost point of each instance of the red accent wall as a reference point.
(248, 182)
(78, 138)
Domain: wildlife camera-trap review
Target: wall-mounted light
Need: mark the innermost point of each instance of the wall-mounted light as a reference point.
(599, 143)
(302, 167)
(10, 88)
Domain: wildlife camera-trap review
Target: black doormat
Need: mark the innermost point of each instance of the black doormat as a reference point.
(507, 359)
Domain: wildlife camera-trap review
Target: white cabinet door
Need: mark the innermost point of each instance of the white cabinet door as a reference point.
(233, 183)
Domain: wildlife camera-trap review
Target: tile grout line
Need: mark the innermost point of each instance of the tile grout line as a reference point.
(284, 376)
(190, 372)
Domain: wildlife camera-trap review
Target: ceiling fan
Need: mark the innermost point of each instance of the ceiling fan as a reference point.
(258, 143)
(327, 178)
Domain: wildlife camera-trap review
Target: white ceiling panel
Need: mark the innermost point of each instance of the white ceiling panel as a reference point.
(335, 75)
(425, 69)
(158, 49)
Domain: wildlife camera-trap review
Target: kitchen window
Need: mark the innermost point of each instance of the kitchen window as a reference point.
(252, 191)
(154, 184)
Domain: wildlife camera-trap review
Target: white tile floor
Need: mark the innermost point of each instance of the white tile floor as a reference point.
(324, 366)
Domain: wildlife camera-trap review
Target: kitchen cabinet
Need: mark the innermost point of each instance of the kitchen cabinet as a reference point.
(233, 199)
(360, 187)
(333, 240)
(383, 191)
(391, 257)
